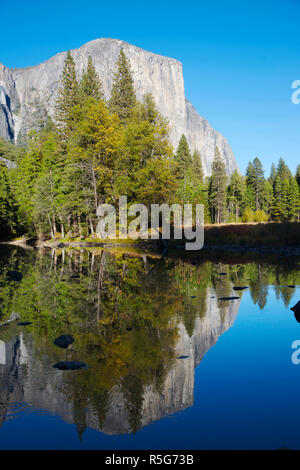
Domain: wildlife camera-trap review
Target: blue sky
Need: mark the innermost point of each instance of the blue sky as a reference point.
(239, 57)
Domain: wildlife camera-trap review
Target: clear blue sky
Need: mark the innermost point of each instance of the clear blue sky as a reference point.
(239, 57)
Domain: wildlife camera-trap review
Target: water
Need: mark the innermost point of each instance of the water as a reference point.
(169, 365)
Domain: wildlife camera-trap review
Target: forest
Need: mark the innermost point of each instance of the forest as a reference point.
(94, 151)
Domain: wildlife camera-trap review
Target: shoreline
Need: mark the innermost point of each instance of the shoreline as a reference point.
(157, 246)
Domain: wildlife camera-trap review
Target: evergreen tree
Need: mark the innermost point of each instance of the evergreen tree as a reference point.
(293, 200)
(281, 189)
(123, 97)
(283, 170)
(198, 167)
(67, 98)
(8, 206)
(272, 174)
(90, 83)
(268, 200)
(217, 189)
(183, 156)
(236, 195)
(255, 180)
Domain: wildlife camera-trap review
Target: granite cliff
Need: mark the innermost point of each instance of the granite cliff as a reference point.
(27, 95)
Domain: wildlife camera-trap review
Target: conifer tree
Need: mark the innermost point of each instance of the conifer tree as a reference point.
(293, 200)
(8, 207)
(90, 83)
(272, 174)
(67, 98)
(236, 195)
(183, 156)
(255, 180)
(123, 97)
(198, 167)
(268, 198)
(217, 189)
(283, 170)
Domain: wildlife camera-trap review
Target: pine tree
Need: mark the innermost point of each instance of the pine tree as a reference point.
(67, 98)
(198, 167)
(272, 174)
(183, 156)
(123, 97)
(268, 198)
(283, 170)
(293, 200)
(255, 179)
(217, 189)
(281, 189)
(90, 83)
(236, 191)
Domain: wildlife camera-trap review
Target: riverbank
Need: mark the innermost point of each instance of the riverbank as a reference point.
(281, 239)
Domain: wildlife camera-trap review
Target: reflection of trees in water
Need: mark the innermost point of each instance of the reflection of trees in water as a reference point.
(123, 315)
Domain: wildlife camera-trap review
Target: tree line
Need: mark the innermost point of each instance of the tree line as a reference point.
(94, 150)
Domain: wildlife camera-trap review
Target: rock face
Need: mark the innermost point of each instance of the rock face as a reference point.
(27, 95)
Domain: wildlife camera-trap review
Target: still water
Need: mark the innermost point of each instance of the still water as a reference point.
(169, 365)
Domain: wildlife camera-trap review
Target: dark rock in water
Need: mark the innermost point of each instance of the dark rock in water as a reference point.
(24, 323)
(63, 341)
(14, 276)
(228, 298)
(240, 287)
(296, 308)
(292, 287)
(70, 365)
(182, 357)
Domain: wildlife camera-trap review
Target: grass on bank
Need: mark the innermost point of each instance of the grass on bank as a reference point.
(252, 234)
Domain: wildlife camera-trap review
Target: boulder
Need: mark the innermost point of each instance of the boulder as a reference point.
(70, 365)
(63, 341)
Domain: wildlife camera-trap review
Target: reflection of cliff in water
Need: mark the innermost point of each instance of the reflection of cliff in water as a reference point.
(27, 377)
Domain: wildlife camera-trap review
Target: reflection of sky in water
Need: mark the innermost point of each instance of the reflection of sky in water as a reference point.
(243, 394)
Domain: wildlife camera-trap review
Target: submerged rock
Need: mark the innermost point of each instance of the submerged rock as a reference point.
(182, 357)
(292, 287)
(240, 287)
(14, 276)
(228, 298)
(24, 323)
(70, 365)
(63, 341)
